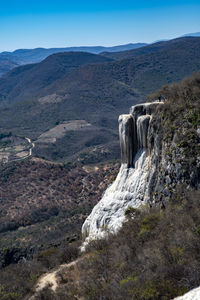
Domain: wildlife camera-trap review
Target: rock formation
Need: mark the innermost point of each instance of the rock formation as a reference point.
(130, 189)
(151, 170)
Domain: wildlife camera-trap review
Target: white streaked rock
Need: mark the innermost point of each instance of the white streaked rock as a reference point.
(191, 295)
(131, 185)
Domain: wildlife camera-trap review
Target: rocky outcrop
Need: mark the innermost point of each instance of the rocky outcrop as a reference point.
(126, 139)
(131, 185)
(151, 169)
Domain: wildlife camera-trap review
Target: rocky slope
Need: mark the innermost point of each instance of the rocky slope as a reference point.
(153, 165)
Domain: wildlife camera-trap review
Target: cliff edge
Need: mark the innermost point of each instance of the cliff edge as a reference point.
(131, 187)
(154, 161)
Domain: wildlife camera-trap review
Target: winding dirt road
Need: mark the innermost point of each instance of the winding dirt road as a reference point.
(32, 146)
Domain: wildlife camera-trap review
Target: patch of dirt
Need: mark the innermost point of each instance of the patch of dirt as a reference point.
(53, 98)
(53, 279)
(60, 130)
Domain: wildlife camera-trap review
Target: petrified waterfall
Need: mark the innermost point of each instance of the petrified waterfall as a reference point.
(130, 189)
(126, 135)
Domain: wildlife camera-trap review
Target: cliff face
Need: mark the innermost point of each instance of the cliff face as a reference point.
(150, 171)
(131, 187)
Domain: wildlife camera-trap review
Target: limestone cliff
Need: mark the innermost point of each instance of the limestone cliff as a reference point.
(149, 171)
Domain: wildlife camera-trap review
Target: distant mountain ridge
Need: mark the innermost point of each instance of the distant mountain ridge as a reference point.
(9, 60)
(57, 72)
(195, 34)
(152, 48)
(44, 52)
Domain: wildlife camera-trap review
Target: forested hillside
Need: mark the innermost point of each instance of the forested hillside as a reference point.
(83, 86)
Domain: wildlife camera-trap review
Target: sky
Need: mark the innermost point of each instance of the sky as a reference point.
(63, 23)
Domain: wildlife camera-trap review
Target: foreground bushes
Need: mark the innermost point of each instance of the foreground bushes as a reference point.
(18, 280)
(154, 256)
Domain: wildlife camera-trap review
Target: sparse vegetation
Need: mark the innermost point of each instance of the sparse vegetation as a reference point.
(39, 243)
(156, 253)
(17, 280)
(35, 192)
(154, 256)
(180, 119)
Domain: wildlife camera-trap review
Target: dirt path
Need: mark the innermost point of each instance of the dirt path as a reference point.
(51, 279)
(32, 146)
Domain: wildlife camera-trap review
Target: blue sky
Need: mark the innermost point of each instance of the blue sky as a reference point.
(62, 23)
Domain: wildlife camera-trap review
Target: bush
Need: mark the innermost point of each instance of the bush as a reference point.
(154, 256)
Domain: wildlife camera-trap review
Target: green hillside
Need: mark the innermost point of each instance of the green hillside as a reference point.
(27, 81)
(179, 43)
(83, 86)
(6, 65)
(9, 60)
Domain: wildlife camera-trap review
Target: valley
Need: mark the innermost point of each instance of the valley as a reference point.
(82, 86)
(60, 151)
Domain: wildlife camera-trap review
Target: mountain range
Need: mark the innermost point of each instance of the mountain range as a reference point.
(9, 60)
(192, 34)
(90, 87)
(181, 44)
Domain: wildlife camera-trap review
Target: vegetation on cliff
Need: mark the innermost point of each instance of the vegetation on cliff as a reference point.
(154, 256)
(178, 124)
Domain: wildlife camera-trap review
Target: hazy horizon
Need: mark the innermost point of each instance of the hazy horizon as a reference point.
(113, 45)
